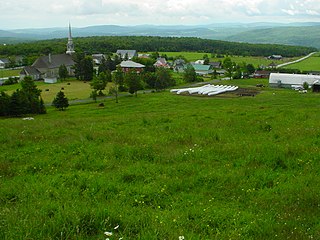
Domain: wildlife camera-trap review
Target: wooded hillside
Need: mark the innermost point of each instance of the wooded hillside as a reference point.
(150, 44)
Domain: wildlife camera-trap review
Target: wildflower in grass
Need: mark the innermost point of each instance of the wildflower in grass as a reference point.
(181, 237)
(116, 227)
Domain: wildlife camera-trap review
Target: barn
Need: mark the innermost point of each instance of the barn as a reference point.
(289, 80)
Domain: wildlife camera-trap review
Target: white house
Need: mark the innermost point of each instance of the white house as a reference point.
(288, 80)
(2, 64)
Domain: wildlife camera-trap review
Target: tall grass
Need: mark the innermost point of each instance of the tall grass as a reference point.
(162, 166)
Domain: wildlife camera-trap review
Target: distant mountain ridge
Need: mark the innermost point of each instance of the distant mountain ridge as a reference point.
(301, 34)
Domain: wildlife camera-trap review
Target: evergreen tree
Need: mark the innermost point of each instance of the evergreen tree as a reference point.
(4, 104)
(63, 72)
(60, 101)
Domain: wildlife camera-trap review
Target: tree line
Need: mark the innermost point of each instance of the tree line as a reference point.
(26, 100)
(109, 44)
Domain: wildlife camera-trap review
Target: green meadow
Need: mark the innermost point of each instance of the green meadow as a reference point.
(310, 64)
(9, 73)
(163, 166)
(256, 61)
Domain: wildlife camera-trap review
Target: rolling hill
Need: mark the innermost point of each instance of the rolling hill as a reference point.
(280, 33)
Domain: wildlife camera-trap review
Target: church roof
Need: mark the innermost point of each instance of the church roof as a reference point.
(56, 61)
(29, 70)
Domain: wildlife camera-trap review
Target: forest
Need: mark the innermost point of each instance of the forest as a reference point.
(109, 44)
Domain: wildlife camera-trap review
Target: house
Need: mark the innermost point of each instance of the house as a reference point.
(216, 65)
(33, 72)
(131, 66)
(97, 58)
(201, 61)
(161, 62)
(275, 57)
(288, 80)
(4, 62)
(127, 54)
(261, 74)
(202, 69)
(179, 65)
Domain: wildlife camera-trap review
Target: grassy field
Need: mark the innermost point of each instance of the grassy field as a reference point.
(310, 64)
(161, 166)
(256, 61)
(9, 73)
(76, 90)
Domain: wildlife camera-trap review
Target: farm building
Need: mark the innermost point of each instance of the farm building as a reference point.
(288, 80)
(131, 66)
(202, 69)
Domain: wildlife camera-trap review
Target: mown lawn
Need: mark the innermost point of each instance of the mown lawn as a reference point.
(161, 166)
(73, 89)
(9, 73)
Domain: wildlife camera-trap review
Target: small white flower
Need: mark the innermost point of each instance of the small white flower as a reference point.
(116, 227)
(108, 234)
(181, 237)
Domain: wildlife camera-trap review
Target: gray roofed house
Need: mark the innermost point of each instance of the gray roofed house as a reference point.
(215, 64)
(4, 62)
(161, 62)
(130, 65)
(49, 65)
(97, 58)
(127, 53)
(34, 73)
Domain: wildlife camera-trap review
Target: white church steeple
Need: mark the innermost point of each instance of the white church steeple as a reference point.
(70, 46)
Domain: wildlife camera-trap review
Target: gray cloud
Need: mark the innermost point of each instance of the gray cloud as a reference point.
(128, 12)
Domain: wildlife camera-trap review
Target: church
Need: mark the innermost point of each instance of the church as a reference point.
(47, 67)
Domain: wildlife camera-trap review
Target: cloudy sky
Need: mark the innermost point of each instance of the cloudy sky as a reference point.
(57, 13)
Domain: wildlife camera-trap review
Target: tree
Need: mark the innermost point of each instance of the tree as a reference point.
(190, 74)
(163, 79)
(133, 82)
(228, 65)
(250, 68)
(60, 101)
(63, 72)
(4, 104)
(32, 96)
(118, 82)
(83, 67)
(206, 59)
(99, 83)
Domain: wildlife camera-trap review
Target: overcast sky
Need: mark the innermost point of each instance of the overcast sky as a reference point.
(57, 13)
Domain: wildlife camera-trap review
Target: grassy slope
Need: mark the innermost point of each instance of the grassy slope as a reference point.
(162, 166)
(310, 64)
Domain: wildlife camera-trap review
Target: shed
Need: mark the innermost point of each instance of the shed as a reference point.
(287, 80)
(202, 69)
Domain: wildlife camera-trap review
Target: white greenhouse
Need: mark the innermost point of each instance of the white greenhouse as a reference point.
(290, 80)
